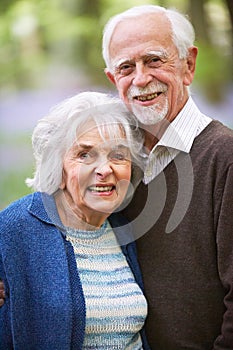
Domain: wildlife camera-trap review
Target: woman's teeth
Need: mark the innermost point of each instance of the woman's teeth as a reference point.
(101, 188)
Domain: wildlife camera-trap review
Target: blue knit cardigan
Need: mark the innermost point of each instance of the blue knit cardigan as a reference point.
(44, 307)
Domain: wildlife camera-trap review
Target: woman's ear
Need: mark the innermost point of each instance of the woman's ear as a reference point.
(110, 76)
(63, 182)
(190, 65)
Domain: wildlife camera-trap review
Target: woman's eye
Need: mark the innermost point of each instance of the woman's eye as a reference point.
(119, 156)
(84, 155)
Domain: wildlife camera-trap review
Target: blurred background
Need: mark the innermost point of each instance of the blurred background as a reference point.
(50, 50)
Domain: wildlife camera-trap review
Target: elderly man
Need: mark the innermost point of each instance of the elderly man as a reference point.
(182, 210)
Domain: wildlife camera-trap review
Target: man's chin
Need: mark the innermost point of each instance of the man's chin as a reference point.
(147, 122)
(145, 118)
(149, 115)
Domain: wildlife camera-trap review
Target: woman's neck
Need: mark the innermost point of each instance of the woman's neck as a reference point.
(72, 217)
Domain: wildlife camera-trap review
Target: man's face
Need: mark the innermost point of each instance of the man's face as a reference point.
(146, 69)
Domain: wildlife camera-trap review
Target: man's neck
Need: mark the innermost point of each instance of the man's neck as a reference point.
(153, 133)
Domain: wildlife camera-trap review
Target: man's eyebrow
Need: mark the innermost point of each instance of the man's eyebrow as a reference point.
(158, 53)
(117, 63)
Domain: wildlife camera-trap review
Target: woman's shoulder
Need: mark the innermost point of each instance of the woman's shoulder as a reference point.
(26, 219)
(16, 214)
(17, 206)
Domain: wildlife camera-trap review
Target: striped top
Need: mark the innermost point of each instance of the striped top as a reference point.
(179, 136)
(115, 305)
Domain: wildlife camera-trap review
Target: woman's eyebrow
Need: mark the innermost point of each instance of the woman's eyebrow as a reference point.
(82, 146)
(121, 146)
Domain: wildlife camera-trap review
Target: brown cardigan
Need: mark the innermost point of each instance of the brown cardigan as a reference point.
(187, 266)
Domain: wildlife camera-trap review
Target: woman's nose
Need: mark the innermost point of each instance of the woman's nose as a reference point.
(104, 169)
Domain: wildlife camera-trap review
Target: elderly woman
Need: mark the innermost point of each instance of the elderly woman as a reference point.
(70, 271)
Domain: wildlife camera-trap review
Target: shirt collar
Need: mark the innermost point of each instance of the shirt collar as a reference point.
(182, 131)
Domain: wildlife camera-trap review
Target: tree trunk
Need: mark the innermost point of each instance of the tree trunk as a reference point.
(230, 9)
(199, 20)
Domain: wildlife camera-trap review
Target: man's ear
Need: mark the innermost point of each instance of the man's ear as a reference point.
(190, 65)
(110, 76)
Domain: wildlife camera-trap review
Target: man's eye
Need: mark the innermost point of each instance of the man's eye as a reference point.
(154, 62)
(125, 69)
(154, 59)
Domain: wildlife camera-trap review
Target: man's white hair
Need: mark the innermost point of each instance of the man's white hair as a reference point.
(56, 133)
(183, 34)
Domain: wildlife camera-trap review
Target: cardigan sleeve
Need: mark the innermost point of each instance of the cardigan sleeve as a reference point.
(5, 328)
(224, 241)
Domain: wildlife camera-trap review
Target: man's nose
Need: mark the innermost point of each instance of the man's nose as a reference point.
(142, 75)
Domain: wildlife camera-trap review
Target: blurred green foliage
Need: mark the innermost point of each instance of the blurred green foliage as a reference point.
(213, 71)
(12, 179)
(12, 184)
(38, 34)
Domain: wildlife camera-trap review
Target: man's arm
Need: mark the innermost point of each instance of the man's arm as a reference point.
(225, 261)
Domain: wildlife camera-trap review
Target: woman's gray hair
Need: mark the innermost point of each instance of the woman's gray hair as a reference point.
(182, 30)
(56, 133)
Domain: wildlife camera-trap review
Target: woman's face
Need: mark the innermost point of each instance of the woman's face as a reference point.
(96, 174)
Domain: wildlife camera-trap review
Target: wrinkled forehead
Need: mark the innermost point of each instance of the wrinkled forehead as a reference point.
(104, 132)
(155, 22)
(136, 31)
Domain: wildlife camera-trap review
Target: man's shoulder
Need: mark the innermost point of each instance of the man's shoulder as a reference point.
(216, 135)
(218, 130)
(214, 146)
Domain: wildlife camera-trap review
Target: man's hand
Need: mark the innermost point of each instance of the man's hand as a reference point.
(2, 293)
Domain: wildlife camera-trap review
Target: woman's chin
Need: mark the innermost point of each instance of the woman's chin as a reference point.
(103, 205)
